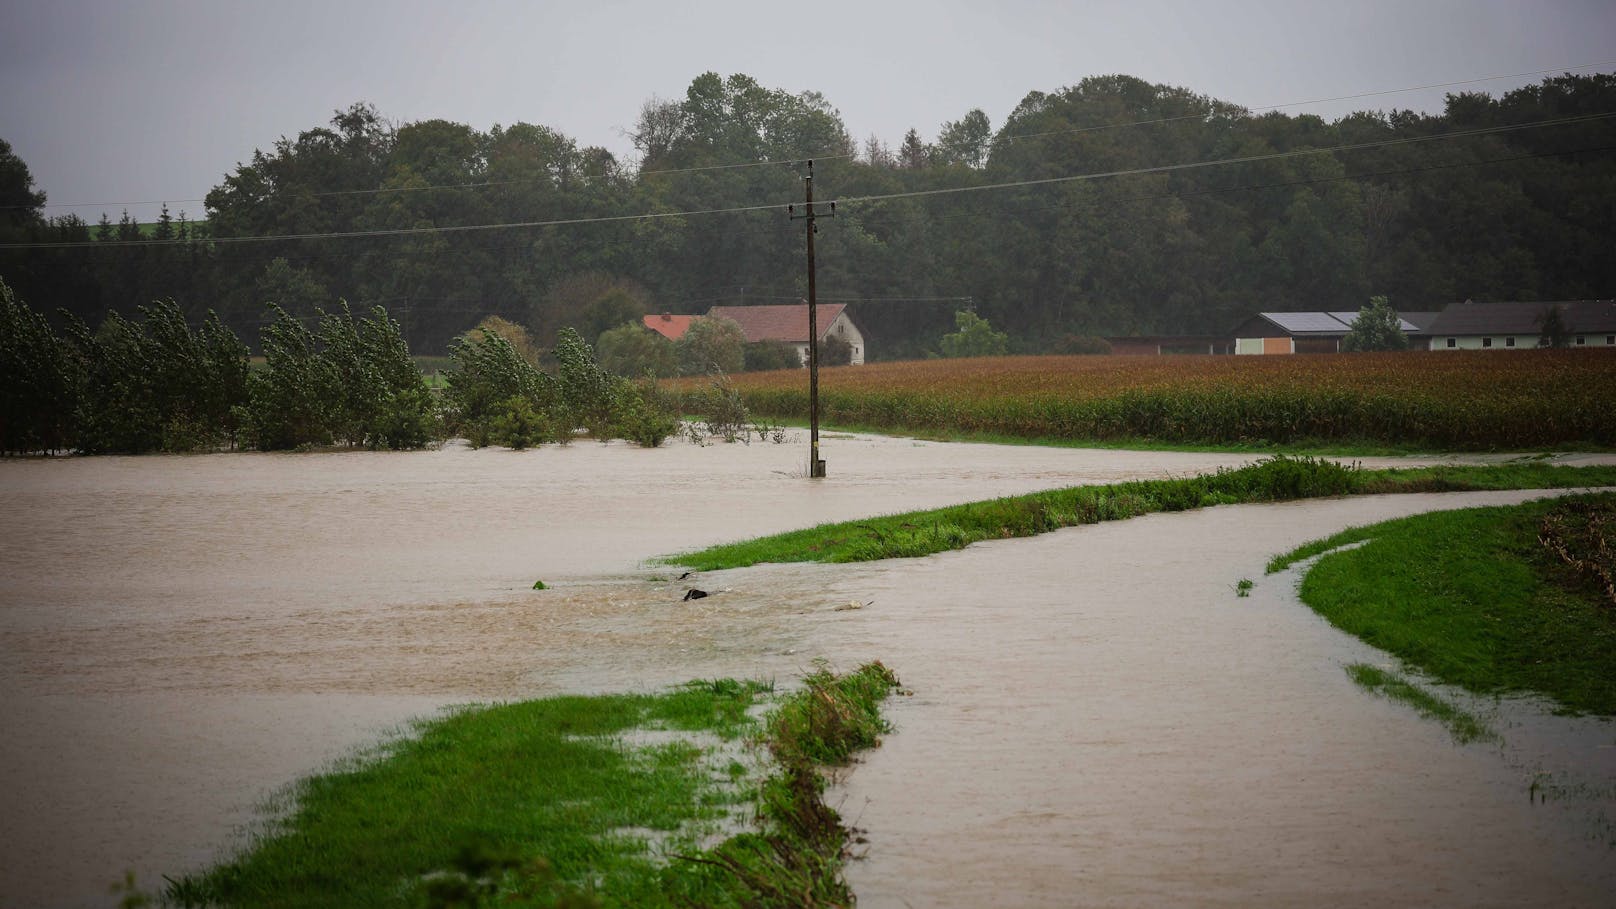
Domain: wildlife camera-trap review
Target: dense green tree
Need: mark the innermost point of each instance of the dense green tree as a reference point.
(21, 205)
(296, 290)
(39, 381)
(1295, 225)
(620, 303)
(381, 399)
(515, 335)
(712, 344)
(964, 141)
(974, 337)
(486, 374)
(296, 399)
(760, 356)
(590, 302)
(1555, 331)
(631, 349)
(913, 153)
(836, 351)
(1377, 327)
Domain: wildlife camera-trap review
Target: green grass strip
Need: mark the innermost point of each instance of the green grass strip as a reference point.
(544, 803)
(1471, 598)
(1463, 726)
(1276, 479)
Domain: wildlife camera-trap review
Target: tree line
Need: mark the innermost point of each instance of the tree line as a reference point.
(156, 383)
(1477, 202)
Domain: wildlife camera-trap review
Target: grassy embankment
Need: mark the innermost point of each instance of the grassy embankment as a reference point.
(553, 803)
(1475, 598)
(1339, 403)
(1277, 479)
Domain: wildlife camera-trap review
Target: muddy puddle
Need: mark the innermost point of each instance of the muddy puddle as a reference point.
(1097, 719)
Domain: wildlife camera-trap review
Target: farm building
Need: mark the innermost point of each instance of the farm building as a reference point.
(670, 326)
(789, 323)
(1508, 326)
(1313, 332)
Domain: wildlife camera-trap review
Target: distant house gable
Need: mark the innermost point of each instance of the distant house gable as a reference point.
(789, 323)
(670, 326)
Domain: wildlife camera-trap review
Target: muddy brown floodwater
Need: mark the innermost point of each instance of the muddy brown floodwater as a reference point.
(1096, 720)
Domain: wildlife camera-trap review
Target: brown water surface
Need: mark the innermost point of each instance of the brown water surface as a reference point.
(183, 635)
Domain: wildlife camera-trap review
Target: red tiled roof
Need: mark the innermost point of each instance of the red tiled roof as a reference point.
(670, 326)
(779, 323)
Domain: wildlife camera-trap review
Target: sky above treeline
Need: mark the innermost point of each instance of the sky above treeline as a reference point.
(127, 103)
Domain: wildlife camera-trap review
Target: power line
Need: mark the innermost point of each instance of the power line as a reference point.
(1244, 159)
(650, 216)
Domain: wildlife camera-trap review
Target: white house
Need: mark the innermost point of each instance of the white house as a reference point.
(1517, 326)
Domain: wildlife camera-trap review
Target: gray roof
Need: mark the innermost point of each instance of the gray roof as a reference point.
(1322, 323)
(1420, 320)
(1581, 317)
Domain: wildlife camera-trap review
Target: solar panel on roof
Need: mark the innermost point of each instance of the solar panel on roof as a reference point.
(1305, 321)
(1347, 318)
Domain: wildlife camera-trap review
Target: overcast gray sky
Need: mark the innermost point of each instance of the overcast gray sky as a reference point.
(111, 101)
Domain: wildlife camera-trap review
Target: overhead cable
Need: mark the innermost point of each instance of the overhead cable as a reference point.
(909, 194)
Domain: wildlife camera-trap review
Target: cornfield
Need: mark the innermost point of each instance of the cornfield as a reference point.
(1461, 400)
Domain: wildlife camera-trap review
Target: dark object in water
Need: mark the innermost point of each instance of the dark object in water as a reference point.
(694, 594)
(685, 575)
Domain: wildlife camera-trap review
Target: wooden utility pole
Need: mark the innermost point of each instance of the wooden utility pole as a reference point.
(816, 464)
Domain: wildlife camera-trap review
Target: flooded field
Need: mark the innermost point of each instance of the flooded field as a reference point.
(1097, 719)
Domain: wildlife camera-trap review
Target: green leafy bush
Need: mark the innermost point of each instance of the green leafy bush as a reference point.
(518, 425)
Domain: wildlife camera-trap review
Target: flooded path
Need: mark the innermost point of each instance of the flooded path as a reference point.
(1099, 721)
(182, 635)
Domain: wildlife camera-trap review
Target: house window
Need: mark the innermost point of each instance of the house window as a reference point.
(1453, 342)
(1486, 342)
(1610, 339)
(1509, 342)
(1581, 340)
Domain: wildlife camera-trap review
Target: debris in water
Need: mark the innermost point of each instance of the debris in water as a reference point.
(852, 604)
(539, 585)
(694, 594)
(686, 575)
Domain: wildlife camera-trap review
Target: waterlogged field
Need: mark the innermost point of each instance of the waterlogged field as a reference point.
(1463, 400)
(1094, 712)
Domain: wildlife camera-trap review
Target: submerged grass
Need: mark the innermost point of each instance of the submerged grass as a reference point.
(1463, 726)
(1280, 478)
(796, 858)
(541, 803)
(1473, 599)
